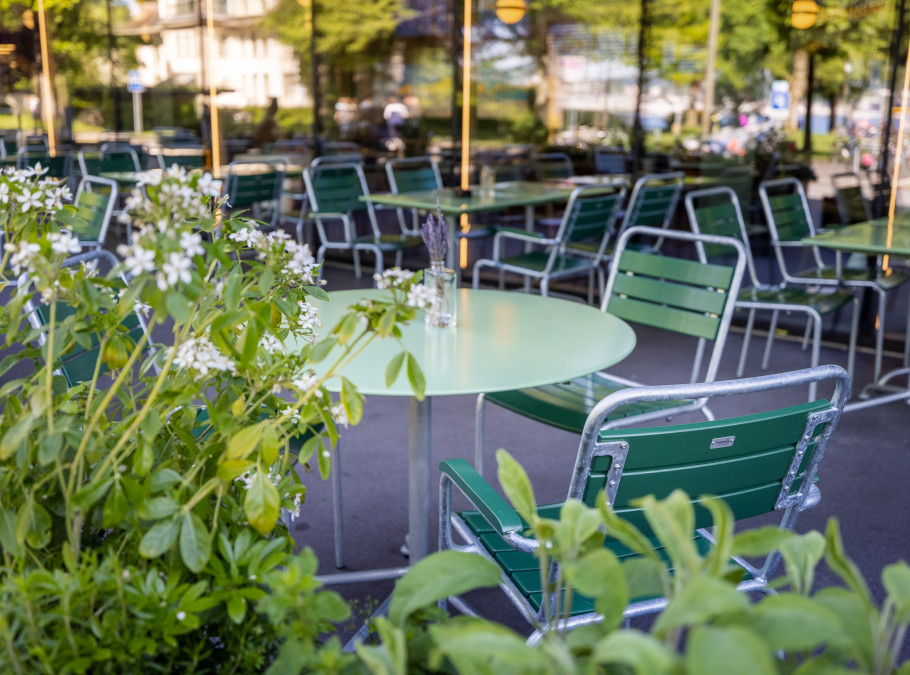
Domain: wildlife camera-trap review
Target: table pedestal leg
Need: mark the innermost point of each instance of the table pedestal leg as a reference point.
(419, 480)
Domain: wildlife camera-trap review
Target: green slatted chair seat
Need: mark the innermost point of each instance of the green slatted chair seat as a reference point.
(848, 274)
(758, 463)
(566, 405)
(392, 242)
(823, 303)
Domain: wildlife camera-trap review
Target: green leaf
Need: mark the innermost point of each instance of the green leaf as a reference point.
(269, 443)
(321, 349)
(157, 508)
(759, 541)
(516, 485)
(195, 543)
(160, 538)
(390, 657)
(700, 600)
(15, 436)
(345, 329)
(49, 447)
(896, 580)
(261, 503)
(791, 622)
(673, 521)
(8, 533)
(386, 322)
(236, 608)
(316, 292)
(712, 650)
(625, 532)
(244, 442)
(838, 561)
(478, 646)
(802, 554)
(39, 532)
(637, 650)
(116, 506)
(437, 577)
(857, 617)
(718, 558)
(180, 309)
(415, 377)
(599, 575)
(311, 445)
(394, 367)
(232, 290)
(91, 493)
(324, 461)
(351, 400)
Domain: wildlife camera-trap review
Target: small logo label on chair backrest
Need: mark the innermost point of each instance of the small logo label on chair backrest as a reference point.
(722, 442)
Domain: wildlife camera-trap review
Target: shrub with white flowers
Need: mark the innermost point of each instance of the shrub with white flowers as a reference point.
(156, 484)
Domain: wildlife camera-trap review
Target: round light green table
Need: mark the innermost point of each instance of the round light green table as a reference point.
(502, 341)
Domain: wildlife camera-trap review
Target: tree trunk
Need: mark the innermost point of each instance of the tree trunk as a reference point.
(810, 87)
(798, 79)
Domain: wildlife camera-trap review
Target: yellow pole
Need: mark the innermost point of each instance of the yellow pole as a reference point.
(47, 106)
(895, 174)
(465, 128)
(213, 90)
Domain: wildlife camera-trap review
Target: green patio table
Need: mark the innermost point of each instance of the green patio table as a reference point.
(873, 238)
(505, 195)
(503, 340)
(131, 178)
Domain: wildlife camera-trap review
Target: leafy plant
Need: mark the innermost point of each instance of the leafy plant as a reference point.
(141, 525)
(707, 625)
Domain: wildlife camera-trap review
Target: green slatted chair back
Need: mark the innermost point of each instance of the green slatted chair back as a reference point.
(253, 185)
(116, 158)
(654, 199)
(94, 202)
(413, 174)
(184, 157)
(79, 363)
(336, 188)
(852, 205)
(739, 179)
(759, 463)
(58, 166)
(674, 294)
(552, 166)
(786, 210)
(590, 216)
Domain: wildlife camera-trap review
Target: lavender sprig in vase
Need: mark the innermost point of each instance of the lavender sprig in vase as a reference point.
(438, 278)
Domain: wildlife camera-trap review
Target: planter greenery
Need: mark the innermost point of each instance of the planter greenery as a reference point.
(140, 509)
(708, 626)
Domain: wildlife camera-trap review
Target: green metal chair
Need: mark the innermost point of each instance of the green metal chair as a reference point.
(759, 464)
(95, 201)
(113, 158)
(552, 166)
(852, 205)
(789, 221)
(653, 204)
(335, 192)
(589, 218)
(58, 166)
(717, 211)
(412, 174)
(682, 296)
(255, 186)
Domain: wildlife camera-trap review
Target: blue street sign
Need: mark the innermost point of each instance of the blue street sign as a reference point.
(134, 83)
(780, 100)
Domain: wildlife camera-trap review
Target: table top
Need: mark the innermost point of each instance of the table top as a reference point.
(870, 237)
(505, 195)
(503, 340)
(132, 177)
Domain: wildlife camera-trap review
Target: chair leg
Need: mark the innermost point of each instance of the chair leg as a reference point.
(379, 261)
(398, 258)
(769, 343)
(750, 322)
(854, 331)
(591, 286)
(320, 257)
(544, 286)
(806, 334)
(879, 335)
(815, 321)
(502, 280)
(601, 282)
(478, 433)
(337, 514)
(357, 271)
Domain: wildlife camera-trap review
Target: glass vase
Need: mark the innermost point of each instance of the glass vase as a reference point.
(442, 281)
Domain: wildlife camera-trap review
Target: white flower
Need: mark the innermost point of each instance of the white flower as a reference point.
(63, 242)
(30, 200)
(177, 268)
(36, 170)
(393, 278)
(138, 259)
(292, 412)
(271, 344)
(201, 356)
(149, 178)
(305, 382)
(181, 616)
(63, 193)
(22, 255)
(207, 185)
(339, 415)
(141, 308)
(191, 244)
(308, 320)
(4, 193)
(246, 236)
(421, 297)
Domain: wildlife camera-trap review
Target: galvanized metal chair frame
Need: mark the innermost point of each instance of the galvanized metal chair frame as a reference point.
(714, 218)
(656, 460)
(682, 296)
(340, 207)
(95, 207)
(590, 215)
(789, 221)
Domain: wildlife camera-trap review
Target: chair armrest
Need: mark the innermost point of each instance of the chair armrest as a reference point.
(523, 235)
(490, 503)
